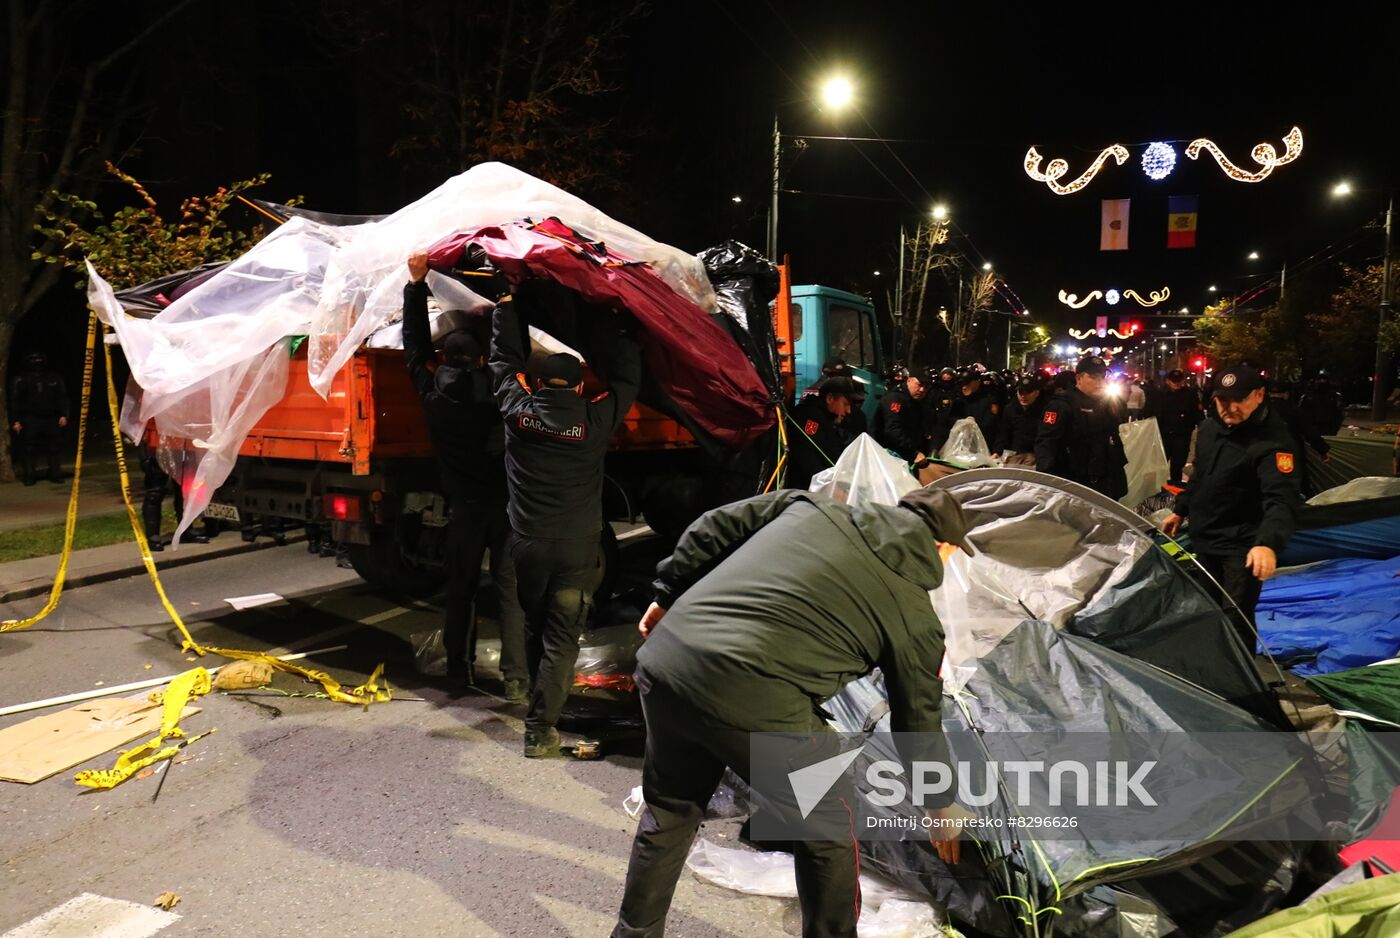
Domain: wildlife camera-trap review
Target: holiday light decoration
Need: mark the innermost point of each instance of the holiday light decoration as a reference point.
(1264, 154)
(1059, 167)
(1086, 333)
(1158, 160)
(1112, 297)
(1157, 296)
(1074, 302)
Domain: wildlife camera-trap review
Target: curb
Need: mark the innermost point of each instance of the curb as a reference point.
(37, 586)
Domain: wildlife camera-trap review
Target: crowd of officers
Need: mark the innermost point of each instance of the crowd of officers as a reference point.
(1065, 424)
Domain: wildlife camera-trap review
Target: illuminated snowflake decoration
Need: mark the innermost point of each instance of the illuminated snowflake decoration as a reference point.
(1112, 297)
(1158, 160)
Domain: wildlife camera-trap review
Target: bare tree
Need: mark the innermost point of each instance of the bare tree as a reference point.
(508, 80)
(62, 120)
(924, 254)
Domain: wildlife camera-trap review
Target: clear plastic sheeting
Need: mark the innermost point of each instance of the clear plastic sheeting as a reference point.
(865, 473)
(1359, 490)
(363, 281)
(966, 447)
(886, 911)
(1147, 467)
(212, 362)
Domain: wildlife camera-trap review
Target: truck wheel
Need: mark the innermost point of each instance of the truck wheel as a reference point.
(380, 564)
(672, 503)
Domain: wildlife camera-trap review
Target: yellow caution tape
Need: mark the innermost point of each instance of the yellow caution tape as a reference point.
(177, 694)
(365, 694)
(71, 518)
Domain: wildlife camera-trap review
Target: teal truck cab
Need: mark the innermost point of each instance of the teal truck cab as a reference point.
(829, 323)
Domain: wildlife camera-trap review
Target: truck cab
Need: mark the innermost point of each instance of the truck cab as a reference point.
(830, 323)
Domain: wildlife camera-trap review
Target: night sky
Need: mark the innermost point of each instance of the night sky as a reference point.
(250, 87)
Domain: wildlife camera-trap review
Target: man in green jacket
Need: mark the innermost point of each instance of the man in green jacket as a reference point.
(767, 608)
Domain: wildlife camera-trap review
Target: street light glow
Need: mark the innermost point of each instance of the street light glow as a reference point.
(1342, 188)
(987, 265)
(877, 273)
(1254, 255)
(1211, 288)
(940, 212)
(737, 199)
(837, 92)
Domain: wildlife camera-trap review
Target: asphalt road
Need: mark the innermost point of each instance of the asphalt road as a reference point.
(406, 818)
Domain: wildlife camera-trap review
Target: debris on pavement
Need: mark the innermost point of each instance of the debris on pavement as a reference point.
(167, 901)
(242, 675)
(36, 749)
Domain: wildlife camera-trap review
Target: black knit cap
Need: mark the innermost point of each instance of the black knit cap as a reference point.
(561, 370)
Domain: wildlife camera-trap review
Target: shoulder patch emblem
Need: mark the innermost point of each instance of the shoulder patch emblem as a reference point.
(895, 406)
(1050, 417)
(1284, 461)
(811, 427)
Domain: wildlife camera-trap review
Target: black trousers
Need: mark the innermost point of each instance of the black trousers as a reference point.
(1178, 447)
(474, 528)
(155, 485)
(555, 579)
(41, 435)
(1239, 585)
(686, 754)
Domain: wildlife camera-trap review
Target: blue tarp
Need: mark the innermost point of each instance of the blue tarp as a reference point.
(1375, 538)
(1332, 616)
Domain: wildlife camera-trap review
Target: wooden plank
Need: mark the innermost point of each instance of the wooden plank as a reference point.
(36, 749)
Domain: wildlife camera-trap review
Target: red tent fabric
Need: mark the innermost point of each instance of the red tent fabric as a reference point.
(689, 356)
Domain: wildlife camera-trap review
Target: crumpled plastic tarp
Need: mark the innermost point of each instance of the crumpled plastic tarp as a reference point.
(1361, 489)
(1069, 619)
(1147, 468)
(886, 910)
(966, 447)
(213, 361)
(865, 472)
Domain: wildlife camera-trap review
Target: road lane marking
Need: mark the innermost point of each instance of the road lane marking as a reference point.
(93, 916)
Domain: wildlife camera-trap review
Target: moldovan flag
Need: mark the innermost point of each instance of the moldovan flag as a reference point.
(1181, 221)
(1114, 234)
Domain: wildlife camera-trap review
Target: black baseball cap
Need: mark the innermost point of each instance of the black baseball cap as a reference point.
(1091, 365)
(1176, 374)
(561, 370)
(836, 366)
(836, 384)
(1028, 383)
(462, 347)
(1236, 382)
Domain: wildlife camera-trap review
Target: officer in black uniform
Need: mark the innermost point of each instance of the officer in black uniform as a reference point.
(38, 412)
(977, 402)
(1178, 412)
(555, 443)
(899, 423)
(469, 440)
(1021, 422)
(1078, 437)
(854, 424)
(1304, 433)
(821, 438)
(1243, 498)
(768, 607)
(938, 406)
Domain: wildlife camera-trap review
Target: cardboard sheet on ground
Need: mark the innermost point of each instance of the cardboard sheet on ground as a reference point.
(36, 749)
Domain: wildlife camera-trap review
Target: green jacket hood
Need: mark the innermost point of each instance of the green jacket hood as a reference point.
(903, 542)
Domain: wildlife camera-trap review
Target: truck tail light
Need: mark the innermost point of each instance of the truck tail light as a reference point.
(341, 507)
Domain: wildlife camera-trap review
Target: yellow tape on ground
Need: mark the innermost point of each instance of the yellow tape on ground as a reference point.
(367, 693)
(71, 518)
(192, 683)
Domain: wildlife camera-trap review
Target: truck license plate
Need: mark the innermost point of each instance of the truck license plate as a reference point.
(221, 512)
